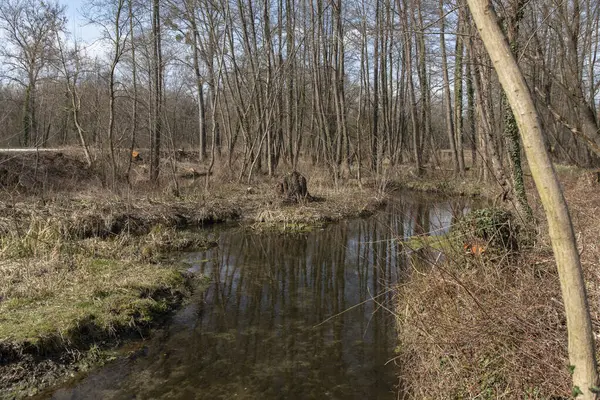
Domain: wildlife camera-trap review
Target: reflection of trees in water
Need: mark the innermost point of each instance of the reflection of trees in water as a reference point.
(287, 287)
(275, 305)
(287, 316)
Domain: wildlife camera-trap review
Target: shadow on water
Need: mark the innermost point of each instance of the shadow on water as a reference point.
(285, 317)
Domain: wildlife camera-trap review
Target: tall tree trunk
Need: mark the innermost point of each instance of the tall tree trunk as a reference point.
(447, 98)
(291, 103)
(375, 132)
(511, 131)
(425, 122)
(134, 111)
(458, 90)
(27, 117)
(579, 325)
(111, 93)
(338, 81)
(199, 83)
(158, 84)
(471, 113)
(411, 91)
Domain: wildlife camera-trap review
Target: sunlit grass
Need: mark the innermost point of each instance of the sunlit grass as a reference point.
(63, 299)
(55, 290)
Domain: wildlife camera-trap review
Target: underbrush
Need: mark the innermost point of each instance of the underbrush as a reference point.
(487, 331)
(105, 216)
(492, 325)
(438, 181)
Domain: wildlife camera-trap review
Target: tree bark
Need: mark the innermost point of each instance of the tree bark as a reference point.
(458, 91)
(375, 132)
(134, 106)
(579, 325)
(511, 132)
(158, 83)
(199, 83)
(118, 51)
(447, 99)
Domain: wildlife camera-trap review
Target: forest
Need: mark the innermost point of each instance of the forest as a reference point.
(384, 126)
(256, 85)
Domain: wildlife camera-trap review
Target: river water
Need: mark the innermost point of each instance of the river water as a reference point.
(286, 316)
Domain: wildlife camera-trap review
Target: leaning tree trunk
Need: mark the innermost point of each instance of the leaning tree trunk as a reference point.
(579, 325)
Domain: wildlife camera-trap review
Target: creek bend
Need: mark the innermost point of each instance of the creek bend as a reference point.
(286, 316)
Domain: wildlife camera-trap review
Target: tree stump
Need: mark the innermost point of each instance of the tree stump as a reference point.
(293, 187)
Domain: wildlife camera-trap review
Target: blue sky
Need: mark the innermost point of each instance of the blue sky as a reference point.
(76, 24)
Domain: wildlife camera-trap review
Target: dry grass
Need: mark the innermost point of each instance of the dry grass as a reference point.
(330, 205)
(80, 205)
(57, 301)
(79, 262)
(104, 216)
(48, 284)
(484, 332)
(49, 245)
(58, 315)
(495, 329)
(438, 181)
(62, 298)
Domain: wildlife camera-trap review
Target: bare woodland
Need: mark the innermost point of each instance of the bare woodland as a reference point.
(262, 88)
(254, 86)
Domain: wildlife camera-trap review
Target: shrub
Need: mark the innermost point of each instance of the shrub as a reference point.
(494, 226)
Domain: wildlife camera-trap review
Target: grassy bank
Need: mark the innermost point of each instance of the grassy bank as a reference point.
(66, 302)
(493, 326)
(83, 267)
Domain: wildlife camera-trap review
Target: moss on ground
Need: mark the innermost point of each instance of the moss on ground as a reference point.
(55, 303)
(65, 302)
(443, 243)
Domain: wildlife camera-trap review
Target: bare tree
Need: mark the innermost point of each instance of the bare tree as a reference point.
(158, 91)
(579, 326)
(111, 16)
(447, 98)
(134, 79)
(69, 65)
(30, 28)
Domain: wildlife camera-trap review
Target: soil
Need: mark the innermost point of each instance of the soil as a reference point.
(31, 173)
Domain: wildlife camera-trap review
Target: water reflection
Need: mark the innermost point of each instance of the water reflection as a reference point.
(286, 316)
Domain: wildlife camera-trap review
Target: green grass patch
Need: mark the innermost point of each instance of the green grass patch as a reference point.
(445, 243)
(63, 299)
(68, 313)
(81, 300)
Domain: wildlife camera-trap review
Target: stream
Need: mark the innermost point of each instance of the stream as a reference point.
(286, 316)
